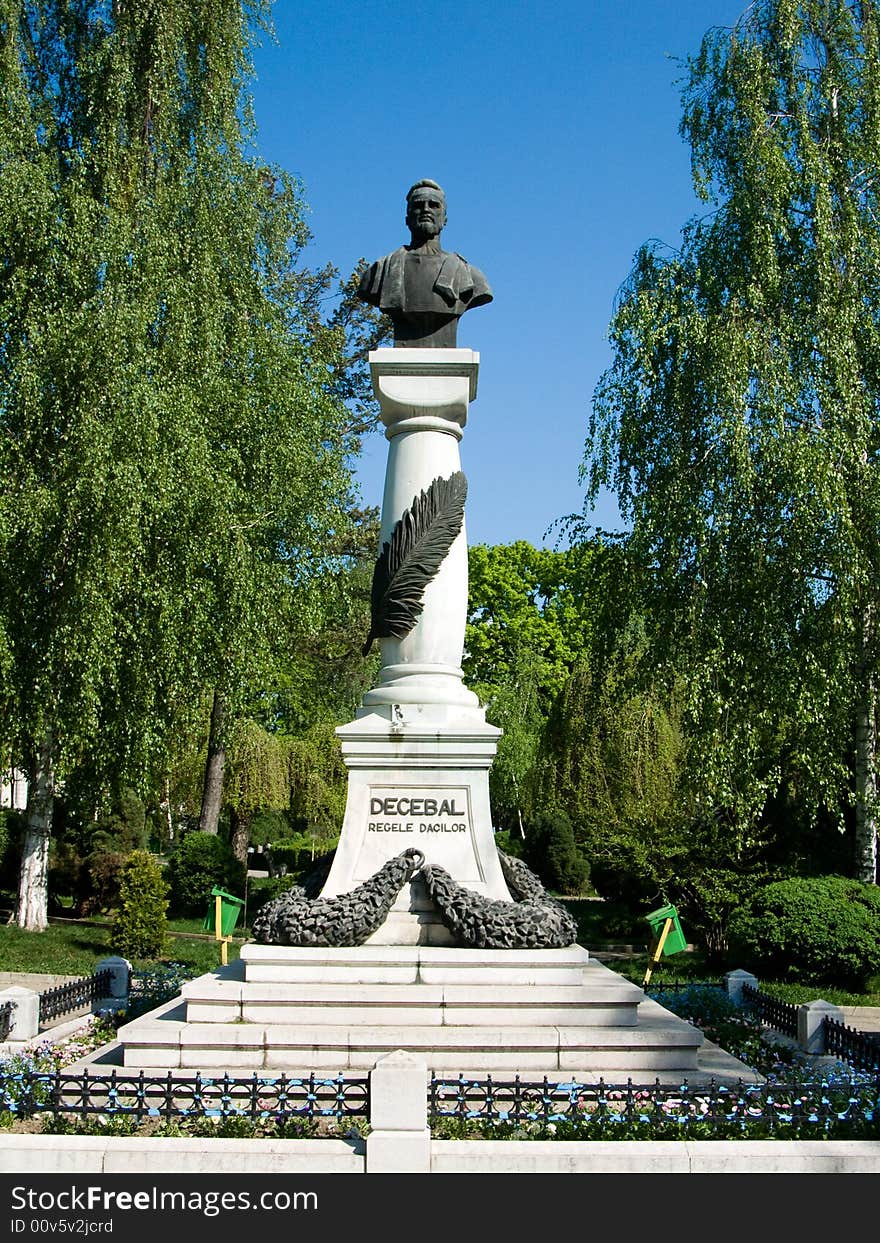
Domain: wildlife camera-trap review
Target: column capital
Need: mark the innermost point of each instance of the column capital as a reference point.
(424, 390)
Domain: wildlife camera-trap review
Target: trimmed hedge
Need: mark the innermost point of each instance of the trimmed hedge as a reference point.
(821, 929)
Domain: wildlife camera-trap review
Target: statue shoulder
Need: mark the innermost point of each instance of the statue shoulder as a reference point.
(370, 287)
(481, 290)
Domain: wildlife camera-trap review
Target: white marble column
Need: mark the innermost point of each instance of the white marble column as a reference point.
(424, 397)
(419, 749)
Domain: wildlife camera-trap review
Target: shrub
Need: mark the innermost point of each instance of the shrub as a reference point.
(140, 929)
(152, 986)
(509, 843)
(122, 827)
(105, 872)
(551, 852)
(270, 826)
(822, 929)
(201, 861)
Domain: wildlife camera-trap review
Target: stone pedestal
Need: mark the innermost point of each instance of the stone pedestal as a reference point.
(419, 750)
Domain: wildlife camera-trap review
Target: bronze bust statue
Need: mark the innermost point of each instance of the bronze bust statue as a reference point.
(423, 289)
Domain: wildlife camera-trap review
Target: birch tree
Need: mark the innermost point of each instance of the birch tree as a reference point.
(170, 446)
(739, 421)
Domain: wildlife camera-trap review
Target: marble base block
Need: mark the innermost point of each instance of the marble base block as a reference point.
(423, 783)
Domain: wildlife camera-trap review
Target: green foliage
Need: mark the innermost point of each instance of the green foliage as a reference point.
(611, 751)
(257, 772)
(88, 851)
(270, 826)
(821, 929)
(526, 598)
(290, 855)
(325, 676)
(738, 422)
(552, 854)
(318, 781)
(140, 928)
(229, 1127)
(173, 446)
(105, 873)
(603, 922)
(531, 616)
(201, 862)
(122, 828)
(509, 843)
(11, 834)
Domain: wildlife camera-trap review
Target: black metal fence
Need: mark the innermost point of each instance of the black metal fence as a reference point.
(75, 995)
(6, 1019)
(855, 1047)
(683, 986)
(782, 1016)
(808, 1106)
(168, 1096)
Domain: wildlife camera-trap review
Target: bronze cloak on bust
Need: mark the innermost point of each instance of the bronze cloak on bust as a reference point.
(428, 317)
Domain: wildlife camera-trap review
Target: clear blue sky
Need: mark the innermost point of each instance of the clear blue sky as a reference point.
(553, 129)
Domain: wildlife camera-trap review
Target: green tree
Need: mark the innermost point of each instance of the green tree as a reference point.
(738, 421)
(551, 851)
(173, 450)
(611, 754)
(526, 598)
(258, 779)
(201, 862)
(140, 927)
(530, 618)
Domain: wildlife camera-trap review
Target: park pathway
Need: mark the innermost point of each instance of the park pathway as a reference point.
(864, 1019)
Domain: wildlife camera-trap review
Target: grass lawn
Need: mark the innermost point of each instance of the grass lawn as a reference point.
(73, 949)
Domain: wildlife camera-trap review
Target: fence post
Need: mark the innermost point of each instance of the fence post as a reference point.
(25, 1019)
(811, 1024)
(120, 969)
(734, 980)
(399, 1141)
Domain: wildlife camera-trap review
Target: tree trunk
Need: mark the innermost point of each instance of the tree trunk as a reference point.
(215, 765)
(241, 833)
(33, 886)
(165, 808)
(866, 788)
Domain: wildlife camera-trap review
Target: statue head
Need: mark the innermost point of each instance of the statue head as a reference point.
(425, 210)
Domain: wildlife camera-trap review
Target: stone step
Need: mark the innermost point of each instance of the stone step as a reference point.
(499, 1013)
(405, 964)
(152, 1042)
(211, 1000)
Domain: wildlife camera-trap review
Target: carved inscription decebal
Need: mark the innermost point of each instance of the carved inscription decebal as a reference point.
(417, 813)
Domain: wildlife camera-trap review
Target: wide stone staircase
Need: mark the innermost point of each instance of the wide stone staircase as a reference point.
(558, 1013)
